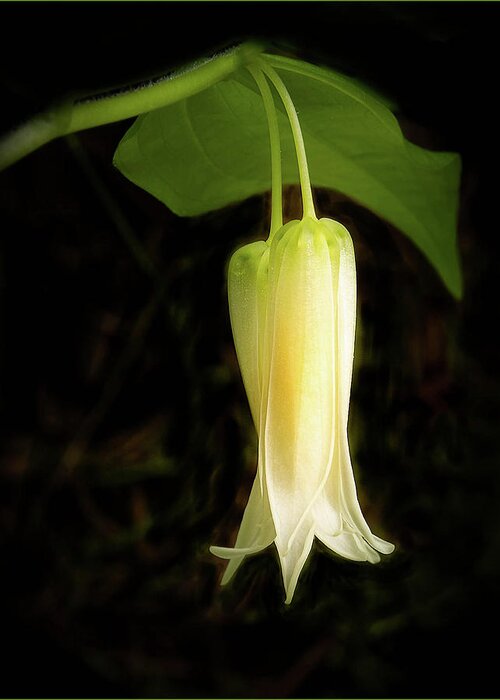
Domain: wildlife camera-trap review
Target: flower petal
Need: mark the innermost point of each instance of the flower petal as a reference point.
(350, 546)
(299, 427)
(294, 559)
(256, 532)
(340, 491)
(247, 294)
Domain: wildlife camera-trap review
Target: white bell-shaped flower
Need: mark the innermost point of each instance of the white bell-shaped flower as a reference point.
(293, 314)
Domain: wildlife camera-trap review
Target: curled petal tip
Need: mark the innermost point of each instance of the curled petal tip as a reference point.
(235, 552)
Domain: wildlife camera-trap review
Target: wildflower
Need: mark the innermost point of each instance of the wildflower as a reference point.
(292, 302)
(293, 314)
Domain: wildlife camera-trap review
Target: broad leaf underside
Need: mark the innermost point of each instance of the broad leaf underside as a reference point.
(212, 149)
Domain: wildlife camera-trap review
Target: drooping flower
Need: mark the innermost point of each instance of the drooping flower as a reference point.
(292, 301)
(293, 314)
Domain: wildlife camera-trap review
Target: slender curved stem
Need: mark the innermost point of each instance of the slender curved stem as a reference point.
(305, 182)
(274, 138)
(68, 117)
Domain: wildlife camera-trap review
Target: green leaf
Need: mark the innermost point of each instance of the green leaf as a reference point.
(212, 149)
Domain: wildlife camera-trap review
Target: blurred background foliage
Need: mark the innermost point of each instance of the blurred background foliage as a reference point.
(126, 441)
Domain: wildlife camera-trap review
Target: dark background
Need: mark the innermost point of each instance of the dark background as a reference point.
(126, 442)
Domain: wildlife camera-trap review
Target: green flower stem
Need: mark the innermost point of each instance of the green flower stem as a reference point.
(68, 117)
(305, 182)
(274, 137)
